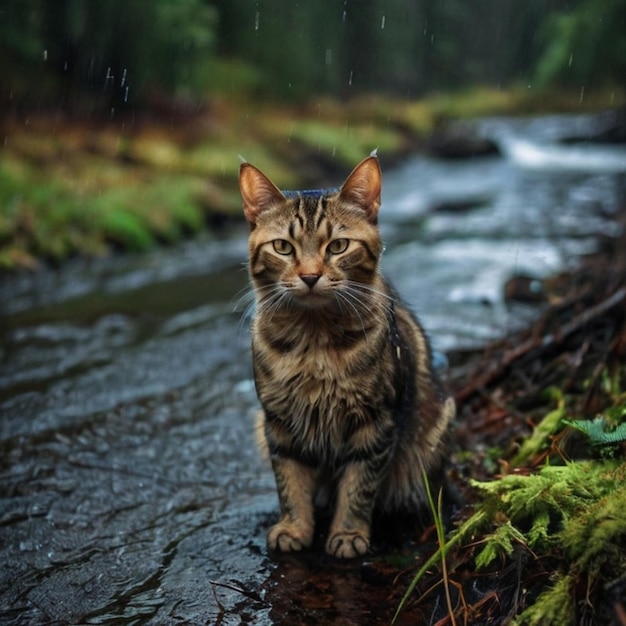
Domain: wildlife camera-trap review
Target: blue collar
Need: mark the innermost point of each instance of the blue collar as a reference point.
(309, 193)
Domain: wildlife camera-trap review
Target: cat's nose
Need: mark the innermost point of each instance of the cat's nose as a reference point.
(310, 279)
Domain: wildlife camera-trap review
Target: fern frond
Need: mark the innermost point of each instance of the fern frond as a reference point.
(598, 431)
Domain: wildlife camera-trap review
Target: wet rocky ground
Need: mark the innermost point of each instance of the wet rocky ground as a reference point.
(131, 486)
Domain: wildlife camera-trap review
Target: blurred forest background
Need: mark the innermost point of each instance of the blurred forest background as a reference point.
(123, 53)
(122, 120)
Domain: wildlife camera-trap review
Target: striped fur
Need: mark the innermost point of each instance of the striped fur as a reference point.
(342, 368)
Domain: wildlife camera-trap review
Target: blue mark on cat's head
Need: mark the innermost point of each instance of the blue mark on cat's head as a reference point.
(309, 193)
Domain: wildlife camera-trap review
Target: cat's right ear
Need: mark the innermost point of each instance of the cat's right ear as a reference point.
(258, 192)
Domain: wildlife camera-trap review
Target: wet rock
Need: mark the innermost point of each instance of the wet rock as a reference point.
(525, 289)
(460, 141)
(610, 128)
(464, 205)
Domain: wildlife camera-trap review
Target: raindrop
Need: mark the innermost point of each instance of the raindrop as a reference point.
(382, 23)
(257, 19)
(126, 93)
(571, 58)
(123, 78)
(45, 55)
(350, 78)
(582, 94)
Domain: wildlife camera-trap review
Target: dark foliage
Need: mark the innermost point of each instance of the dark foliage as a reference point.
(95, 56)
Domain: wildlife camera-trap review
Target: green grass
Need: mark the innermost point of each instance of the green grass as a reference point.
(345, 143)
(51, 219)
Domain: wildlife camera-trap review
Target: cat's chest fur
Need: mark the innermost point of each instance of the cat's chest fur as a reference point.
(317, 362)
(325, 388)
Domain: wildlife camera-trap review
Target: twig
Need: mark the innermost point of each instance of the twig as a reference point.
(249, 594)
(220, 606)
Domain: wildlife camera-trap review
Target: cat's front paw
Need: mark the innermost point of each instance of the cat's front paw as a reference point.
(348, 544)
(289, 537)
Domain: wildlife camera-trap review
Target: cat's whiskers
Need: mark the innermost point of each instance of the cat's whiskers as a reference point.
(369, 298)
(244, 301)
(388, 299)
(344, 296)
(276, 299)
(245, 296)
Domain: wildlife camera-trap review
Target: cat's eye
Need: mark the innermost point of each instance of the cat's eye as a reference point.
(282, 246)
(337, 246)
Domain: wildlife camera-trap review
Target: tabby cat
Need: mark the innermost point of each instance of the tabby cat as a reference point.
(342, 369)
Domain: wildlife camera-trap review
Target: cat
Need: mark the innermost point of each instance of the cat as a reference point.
(342, 368)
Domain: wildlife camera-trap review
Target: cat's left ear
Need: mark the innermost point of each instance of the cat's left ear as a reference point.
(363, 187)
(258, 192)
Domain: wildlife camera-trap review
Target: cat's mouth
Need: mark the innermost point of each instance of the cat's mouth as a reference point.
(314, 296)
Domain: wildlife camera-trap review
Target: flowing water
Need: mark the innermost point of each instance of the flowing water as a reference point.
(130, 487)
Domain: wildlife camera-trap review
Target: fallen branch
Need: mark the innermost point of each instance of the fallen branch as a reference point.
(499, 368)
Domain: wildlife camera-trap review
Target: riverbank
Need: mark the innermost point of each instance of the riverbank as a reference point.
(539, 448)
(88, 187)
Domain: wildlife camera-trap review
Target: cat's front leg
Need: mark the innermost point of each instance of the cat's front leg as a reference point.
(349, 534)
(296, 492)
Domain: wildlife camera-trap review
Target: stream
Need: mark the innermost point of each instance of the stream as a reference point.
(131, 490)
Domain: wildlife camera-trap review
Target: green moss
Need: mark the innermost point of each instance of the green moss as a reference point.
(574, 514)
(500, 542)
(592, 541)
(553, 607)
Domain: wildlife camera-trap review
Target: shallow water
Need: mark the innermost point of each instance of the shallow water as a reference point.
(130, 487)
